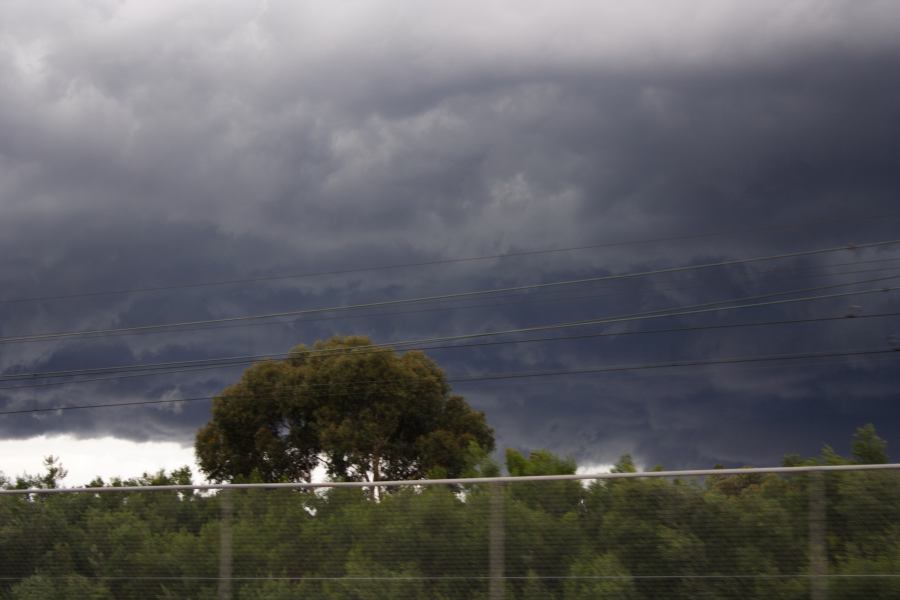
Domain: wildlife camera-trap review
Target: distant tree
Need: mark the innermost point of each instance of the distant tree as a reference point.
(552, 497)
(363, 412)
(54, 473)
(868, 448)
(625, 465)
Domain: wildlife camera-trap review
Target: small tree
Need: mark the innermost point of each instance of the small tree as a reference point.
(54, 473)
(868, 448)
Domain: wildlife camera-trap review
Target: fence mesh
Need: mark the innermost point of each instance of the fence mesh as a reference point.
(757, 535)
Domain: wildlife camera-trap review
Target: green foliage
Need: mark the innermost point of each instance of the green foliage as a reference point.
(601, 576)
(364, 412)
(553, 497)
(856, 580)
(732, 537)
(38, 587)
(54, 473)
(868, 448)
(260, 426)
(534, 588)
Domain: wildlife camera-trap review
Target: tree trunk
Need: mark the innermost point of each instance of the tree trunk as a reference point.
(376, 476)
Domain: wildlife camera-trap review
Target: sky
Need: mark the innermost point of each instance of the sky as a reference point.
(147, 149)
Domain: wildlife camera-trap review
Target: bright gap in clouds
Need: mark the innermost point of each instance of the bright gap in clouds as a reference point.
(592, 468)
(109, 457)
(86, 459)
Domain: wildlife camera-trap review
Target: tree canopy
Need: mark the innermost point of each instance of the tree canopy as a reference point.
(363, 412)
(728, 537)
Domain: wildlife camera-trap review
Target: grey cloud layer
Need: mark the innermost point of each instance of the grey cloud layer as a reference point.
(145, 144)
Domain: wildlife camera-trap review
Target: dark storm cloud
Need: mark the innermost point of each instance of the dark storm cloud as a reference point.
(153, 144)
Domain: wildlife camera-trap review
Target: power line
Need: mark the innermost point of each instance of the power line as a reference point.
(509, 376)
(459, 481)
(270, 355)
(706, 307)
(223, 282)
(505, 302)
(450, 296)
(168, 368)
(852, 263)
(661, 313)
(674, 364)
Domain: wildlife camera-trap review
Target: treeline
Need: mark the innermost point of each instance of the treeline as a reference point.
(743, 536)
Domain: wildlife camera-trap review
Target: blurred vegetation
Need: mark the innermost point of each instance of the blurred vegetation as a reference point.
(723, 537)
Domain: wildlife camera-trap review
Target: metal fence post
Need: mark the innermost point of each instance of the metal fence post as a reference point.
(226, 553)
(496, 543)
(818, 558)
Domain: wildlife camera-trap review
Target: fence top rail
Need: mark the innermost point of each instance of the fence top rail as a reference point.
(462, 481)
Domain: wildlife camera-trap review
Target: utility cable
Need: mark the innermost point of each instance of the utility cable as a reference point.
(706, 307)
(511, 376)
(660, 313)
(27, 375)
(200, 284)
(176, 367)
(566, 297)
(450, 296)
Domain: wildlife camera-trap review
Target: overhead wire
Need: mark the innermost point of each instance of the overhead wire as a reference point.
(667, 309)
(707, 307)
(235, 363)
(541, 299)
(266, 278)
(678, 308)
(454, 295)
(694, 309)
(502, 376)
(426, 578)
(650, 314)
(170, 367)
(7, 376)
